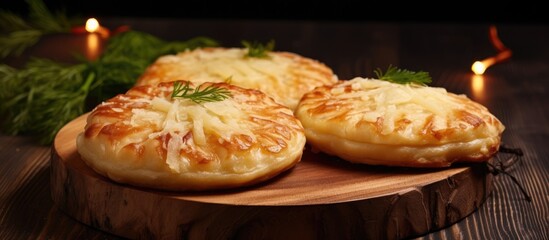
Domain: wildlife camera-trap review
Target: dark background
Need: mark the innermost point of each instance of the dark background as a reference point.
(410, 11)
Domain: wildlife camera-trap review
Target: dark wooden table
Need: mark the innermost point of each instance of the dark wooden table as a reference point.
(516, 91)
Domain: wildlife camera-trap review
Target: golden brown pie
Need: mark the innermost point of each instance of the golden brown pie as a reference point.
(147, 138)
(382, 123)
(285, 76)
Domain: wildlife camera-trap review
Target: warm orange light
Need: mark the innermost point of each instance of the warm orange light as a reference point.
(95, 37)
(92, 25)
(95, 34)
(479, 67)
(477, 85)
(93, 48)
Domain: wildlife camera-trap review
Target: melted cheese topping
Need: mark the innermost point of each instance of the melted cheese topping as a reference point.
(419, 121)
(146, 134)
(284, 76)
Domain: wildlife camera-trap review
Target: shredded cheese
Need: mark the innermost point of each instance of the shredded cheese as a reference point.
(178, 117)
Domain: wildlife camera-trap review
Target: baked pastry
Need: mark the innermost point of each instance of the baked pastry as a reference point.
(284, 76)
(148, 138)
(377, 122)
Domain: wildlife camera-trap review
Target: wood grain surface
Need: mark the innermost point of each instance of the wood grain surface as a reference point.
(370, 202)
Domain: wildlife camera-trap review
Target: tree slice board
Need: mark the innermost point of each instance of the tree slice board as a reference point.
(322, 197)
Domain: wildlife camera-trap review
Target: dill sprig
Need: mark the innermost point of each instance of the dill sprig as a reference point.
(34, 103)
(210, 93)
(258, 50)
(44, 95)
(403, 76)
(19, 34)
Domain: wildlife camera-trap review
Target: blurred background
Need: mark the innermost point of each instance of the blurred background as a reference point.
(518, 12)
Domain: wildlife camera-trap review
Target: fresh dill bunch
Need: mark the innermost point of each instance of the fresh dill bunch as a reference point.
(403, 76)
(199, 94)
(127, 55)
(45, 95)
(41, 98)
(258, 50)
(18, 34)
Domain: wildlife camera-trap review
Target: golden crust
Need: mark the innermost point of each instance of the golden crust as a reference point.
(146, 138)
(382, 123)
(284, 76)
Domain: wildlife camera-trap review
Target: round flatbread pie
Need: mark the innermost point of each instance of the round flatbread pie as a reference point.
(377, 122)
(148, 138)
(284, 76)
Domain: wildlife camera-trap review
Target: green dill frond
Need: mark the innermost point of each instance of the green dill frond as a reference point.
(210, 93)
(10, 22)
(43, 19)
(403, 76)
(258, 50)
(45, 95)
(19, 34)
(16, 42)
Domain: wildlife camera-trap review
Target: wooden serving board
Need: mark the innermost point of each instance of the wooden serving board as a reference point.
(322, 197)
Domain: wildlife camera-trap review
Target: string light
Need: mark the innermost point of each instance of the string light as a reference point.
(479, 67)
